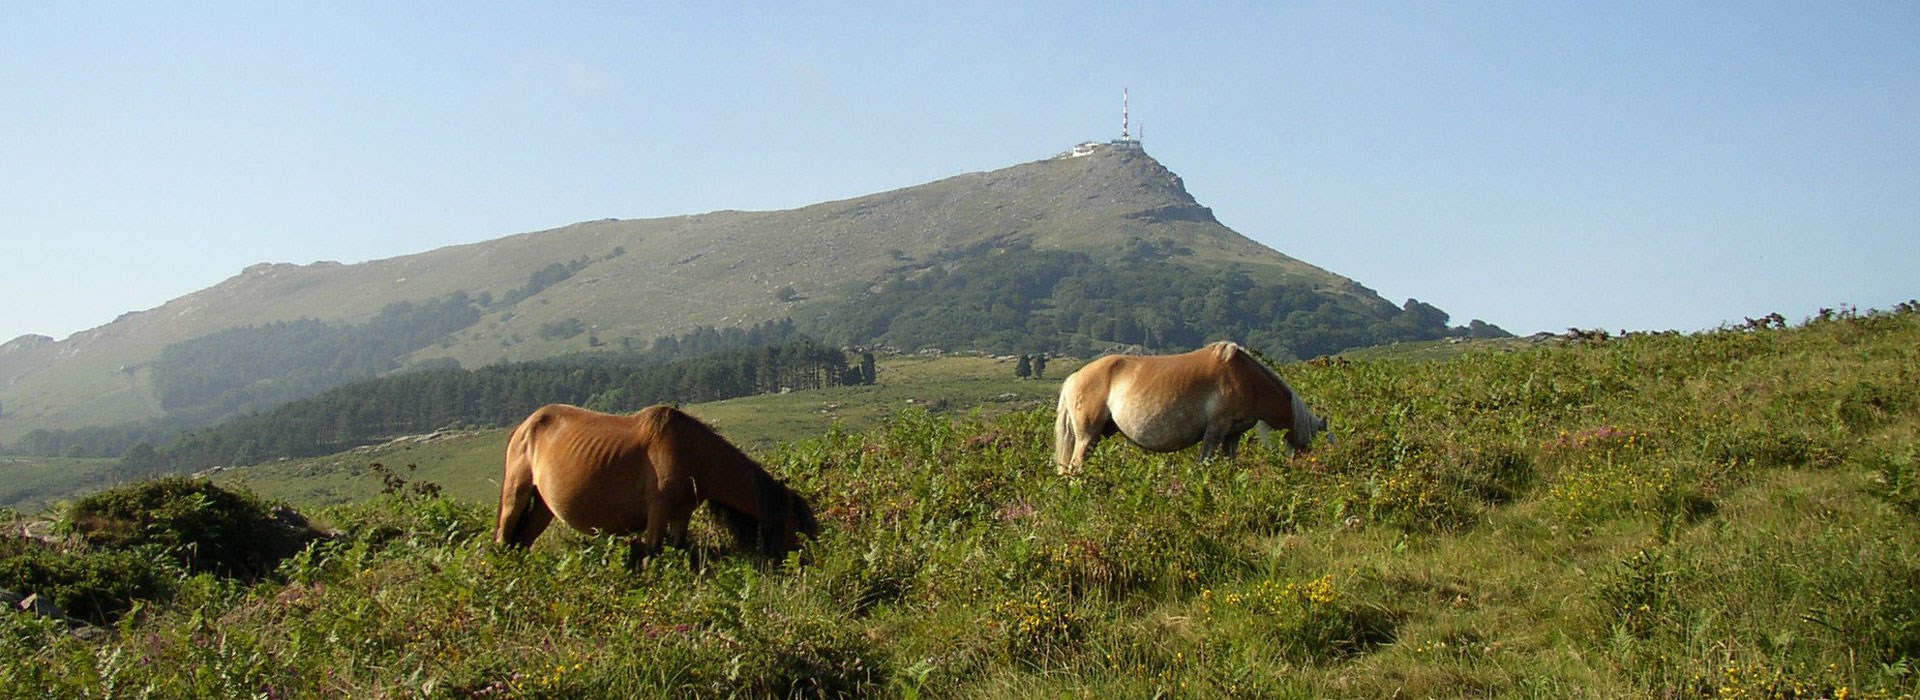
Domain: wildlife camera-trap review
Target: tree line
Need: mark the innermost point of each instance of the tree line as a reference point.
(118, 440)
(1032, 301)
(256, 367)
(496, 395)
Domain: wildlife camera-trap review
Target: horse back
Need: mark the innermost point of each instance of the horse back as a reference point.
(591, 468)
(1223, 376)
(1186, 376)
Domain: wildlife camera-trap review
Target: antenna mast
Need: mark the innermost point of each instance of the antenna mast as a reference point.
(1127, 140)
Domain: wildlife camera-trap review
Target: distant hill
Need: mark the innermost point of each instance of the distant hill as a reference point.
(1076, 254)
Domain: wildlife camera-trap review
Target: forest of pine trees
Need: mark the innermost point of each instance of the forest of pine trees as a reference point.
(705, 364)
(497, 395)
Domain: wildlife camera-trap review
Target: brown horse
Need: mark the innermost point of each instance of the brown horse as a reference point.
(643, 473)
(1164, 403)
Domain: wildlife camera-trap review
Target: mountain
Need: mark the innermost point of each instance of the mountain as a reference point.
(1101, 212)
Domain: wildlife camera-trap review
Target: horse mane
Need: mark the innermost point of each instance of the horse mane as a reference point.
(767, 533)
(1227, 350)
(1305, 423)
(746, 529)
(771, 497)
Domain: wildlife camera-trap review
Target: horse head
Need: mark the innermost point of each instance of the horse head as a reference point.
(1321, 428)
(784, 516)
(1306, 426)
(800, 521)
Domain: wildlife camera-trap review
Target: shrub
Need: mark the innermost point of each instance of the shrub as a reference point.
(1896, 473)
(1639, 597)
(94, 586)
(1311, 621)
(788, 655)
(1038, 625)
(204, 527)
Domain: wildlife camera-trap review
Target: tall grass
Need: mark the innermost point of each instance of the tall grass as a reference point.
(1729, 514)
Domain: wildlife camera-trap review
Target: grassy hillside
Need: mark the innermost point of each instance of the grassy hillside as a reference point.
(1727, 515)
(28, 484)
(631, 281)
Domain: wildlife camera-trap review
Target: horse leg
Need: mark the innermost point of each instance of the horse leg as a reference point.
(1212, 441)
(665, 527)
(677, 537)
(648, 542)
(641, 547)
(637, 552)
(1232, 444)
(1077, 456)
(676, 533)
(523, 513)
(1221, 439)
(1085, 434)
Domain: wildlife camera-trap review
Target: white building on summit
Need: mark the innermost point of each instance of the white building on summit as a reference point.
(1127, 140)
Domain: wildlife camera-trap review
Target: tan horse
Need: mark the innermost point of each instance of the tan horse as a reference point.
(643, 473)
(1165, 403)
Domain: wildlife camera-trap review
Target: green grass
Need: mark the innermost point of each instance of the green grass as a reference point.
(1727, 515)
(1435, 349)
(30, 484)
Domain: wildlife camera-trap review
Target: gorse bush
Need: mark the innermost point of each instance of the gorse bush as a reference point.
(1727, 514)
(205, 527)
(132, 544)
(1302, 620)
(96, 587)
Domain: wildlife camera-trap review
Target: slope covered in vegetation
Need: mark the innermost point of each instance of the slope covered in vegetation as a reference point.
(1153, 296)
(1730, 514)
(703, 365)
(1046, 255)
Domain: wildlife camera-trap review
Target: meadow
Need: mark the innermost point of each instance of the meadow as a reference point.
(1730, 514)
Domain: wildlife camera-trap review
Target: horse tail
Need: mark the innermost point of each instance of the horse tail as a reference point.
(1063, 425)
(517, 493)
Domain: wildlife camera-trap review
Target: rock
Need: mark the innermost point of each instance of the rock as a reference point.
(33, 603)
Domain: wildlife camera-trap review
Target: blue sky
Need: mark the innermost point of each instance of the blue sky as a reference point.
(1536, 165)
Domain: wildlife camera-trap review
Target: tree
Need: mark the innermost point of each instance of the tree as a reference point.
(867, 375)
(140, 460)
(1040, 366)
(1025, 368)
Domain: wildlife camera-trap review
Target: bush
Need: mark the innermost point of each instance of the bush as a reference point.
(1639, 597)
(97, 587)
(202, 526)
(1312, 621)
(1896, 473)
